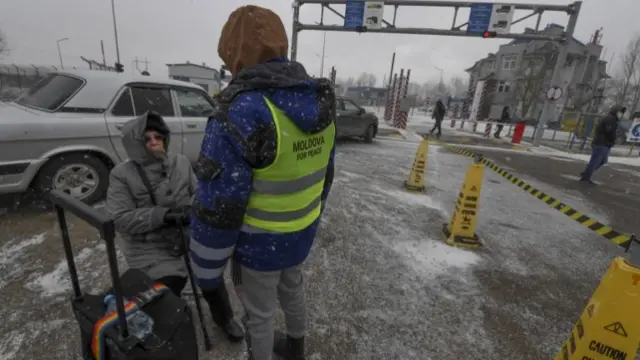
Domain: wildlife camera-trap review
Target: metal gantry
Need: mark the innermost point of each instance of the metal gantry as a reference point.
(456, 29)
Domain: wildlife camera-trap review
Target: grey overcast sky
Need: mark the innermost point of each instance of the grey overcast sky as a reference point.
(169, 31)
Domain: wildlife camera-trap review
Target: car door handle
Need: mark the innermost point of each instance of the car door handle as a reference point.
(119, 126)
(192, 126)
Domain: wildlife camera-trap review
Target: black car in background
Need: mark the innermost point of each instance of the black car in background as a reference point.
(354, 121)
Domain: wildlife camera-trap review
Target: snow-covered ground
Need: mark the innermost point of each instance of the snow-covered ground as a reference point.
(381, 284)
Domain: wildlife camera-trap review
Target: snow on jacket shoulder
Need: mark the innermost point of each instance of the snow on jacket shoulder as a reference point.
(138, 221)
(236, 142)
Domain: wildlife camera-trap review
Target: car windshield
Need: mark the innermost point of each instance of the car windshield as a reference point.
(51, 92)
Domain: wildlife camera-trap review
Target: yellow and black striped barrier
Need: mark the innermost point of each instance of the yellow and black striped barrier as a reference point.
(599, 228)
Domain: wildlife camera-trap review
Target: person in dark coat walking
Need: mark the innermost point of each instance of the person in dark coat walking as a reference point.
(150, 230)
(504, 118)
(604, 139)
(438, 114)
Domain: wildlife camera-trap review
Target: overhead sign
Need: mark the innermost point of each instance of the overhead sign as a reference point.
(479, 18)
(501, 18)
(373, 12)
(634, 131)
(360, 13)
(554, 93)
(490, 17)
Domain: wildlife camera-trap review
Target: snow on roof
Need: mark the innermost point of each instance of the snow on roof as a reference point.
(204, 66)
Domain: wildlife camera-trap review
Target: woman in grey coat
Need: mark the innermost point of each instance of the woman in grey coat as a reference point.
(150, 229)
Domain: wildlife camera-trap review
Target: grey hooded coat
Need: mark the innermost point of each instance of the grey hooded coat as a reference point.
(147, 242)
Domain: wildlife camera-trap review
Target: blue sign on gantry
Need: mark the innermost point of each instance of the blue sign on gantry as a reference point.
(354, 14)
(479, 18)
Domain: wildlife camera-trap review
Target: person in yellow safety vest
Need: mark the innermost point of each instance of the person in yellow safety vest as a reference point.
(264, 174)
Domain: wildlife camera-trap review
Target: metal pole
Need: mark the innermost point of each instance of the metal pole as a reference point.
(421, 31)
(393, 62)
(104, 58)
(447, 3)
(538, 21)
(115, 31)
(324, 42)
(60, 56)
(556, 78)
(294, 30)
(60, 52)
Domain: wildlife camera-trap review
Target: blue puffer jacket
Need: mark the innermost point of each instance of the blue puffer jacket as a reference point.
(235, 144)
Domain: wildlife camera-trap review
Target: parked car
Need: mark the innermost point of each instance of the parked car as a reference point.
(64, 133)
(354, 121)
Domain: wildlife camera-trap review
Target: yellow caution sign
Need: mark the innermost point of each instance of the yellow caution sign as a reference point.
(461, 230)
(416, 177)
(609, 327)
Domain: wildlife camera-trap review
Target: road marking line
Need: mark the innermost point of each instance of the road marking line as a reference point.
(599, 228)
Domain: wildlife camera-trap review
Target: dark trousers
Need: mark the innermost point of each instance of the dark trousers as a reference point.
(599, 157)
(218, 299)
(499, 128)
(437, 126)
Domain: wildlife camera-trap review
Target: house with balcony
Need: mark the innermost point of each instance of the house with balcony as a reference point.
(518, 75)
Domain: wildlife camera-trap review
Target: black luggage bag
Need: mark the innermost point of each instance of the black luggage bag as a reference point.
(106, 336)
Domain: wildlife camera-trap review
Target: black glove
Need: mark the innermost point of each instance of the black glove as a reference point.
(178, 216)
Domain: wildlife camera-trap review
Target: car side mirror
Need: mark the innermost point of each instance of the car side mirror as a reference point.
(361, 111)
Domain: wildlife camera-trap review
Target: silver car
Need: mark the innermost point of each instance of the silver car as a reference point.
(64, 133)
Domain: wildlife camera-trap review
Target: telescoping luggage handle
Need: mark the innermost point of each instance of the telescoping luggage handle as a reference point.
(62, 201)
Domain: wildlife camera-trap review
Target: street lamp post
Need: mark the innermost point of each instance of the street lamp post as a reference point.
(115, 30)
(441, 73)
(324, 43)
(60, 52)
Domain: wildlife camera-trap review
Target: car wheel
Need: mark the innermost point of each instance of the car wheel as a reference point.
(368, 136)
(83, 176)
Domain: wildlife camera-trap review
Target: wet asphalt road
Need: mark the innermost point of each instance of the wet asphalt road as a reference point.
(381, 283)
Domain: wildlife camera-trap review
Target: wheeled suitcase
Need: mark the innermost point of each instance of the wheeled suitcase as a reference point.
(106, 336)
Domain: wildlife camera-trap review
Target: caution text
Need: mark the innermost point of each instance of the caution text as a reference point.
(607, 350)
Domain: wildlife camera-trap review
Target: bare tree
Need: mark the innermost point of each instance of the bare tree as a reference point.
(531, 76)
(366, 79)
(626, 84)
(414, 88)
(458, 87)
(372, 80)
(350, 81)
(3, 43)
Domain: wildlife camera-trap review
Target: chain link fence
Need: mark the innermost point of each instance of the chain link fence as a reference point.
(15, 79)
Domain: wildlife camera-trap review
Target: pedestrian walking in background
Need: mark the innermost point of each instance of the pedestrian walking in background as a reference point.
(149, 222)
(505, 117)
(439, 110)
(265, 170)
(604, 138)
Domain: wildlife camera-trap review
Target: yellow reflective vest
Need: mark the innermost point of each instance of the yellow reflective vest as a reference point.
(285, 196)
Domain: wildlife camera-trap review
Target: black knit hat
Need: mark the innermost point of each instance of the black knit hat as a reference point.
(155, 123)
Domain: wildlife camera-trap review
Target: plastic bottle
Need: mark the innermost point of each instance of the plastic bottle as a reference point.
(139, 323)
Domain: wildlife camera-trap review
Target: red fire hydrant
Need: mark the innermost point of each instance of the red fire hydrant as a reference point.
(518, 132)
